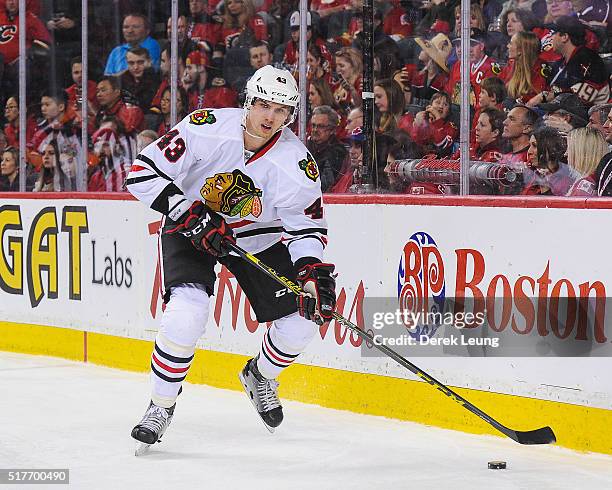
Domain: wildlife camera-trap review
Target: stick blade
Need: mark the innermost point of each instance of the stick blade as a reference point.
(544, 435)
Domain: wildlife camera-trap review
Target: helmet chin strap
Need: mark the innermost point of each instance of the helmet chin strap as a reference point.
(248, 132)
(253, 135)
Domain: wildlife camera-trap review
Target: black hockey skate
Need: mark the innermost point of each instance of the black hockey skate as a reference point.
(263, 395)
(152, 427)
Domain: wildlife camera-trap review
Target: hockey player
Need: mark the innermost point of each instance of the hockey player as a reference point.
(235, 176)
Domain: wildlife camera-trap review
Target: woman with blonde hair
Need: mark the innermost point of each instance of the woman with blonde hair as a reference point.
(346, 81)
(585, 149)
(241, 25)
(476, 19)
(524, 74)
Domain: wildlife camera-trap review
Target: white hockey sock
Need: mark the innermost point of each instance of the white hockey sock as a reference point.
(169, 365)
(282, 343)
(182, 324)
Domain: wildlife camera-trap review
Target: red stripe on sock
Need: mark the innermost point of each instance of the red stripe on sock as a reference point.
(168, 368)
(271, 352)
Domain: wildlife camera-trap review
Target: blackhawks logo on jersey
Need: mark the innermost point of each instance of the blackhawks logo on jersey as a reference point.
(309, 166)
(202, 116)
(232, 194)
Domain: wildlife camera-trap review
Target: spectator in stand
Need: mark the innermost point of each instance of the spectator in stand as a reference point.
(136, 34)
(163, 123)
(598, 117)
(558, 8)
(108, 95)
(291, 52)
(433, 77)
(200, 95)
(403, 78)
(524, 75)
(477, 19)
(351, 168)
(581, 70)
(346, 82)
(75, 91)
(401, 148)
(259, 55)
(482, 66)
(342, 26)
(115, 150)
(354, 120)
(37, 38)
(328, 152)
(33, 6)
(3, 142)
(237, 76)
(397, 21)
(47, 180)
(386, 50)
(57, 126)
(319, 66)
(319, 93)
(439, 14)
(144, 139)
(165, 77)
(566, 112)
(518, 126)
(603, 176)
(241, 25)
(486, 145)
(195, 80)
(521, 20)
(585, 149)
(492, 93)
(65, 29)
(185, 44)
(58, 171)
(11, 128)
(50, 159)
(202, 28)
(607, 127)
(432, 128)
(488, 133)
(389, 102)
(9, 171)
(546, 173)
(140, 82)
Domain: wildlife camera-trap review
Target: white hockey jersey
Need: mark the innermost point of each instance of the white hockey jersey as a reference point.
(275, 194)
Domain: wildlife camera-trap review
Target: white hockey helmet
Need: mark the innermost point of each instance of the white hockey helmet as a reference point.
(274, 85)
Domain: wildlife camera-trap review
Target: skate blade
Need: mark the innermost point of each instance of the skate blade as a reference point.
(246, 390)
(141, 448)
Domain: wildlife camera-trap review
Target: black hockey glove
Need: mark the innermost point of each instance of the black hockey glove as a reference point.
(207, 230)
(318, 282)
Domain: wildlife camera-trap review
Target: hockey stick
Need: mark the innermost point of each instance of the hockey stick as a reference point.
(544, 435)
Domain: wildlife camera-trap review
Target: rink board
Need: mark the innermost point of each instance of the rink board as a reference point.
(88, 267)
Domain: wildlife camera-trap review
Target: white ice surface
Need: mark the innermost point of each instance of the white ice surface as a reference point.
(60, 414)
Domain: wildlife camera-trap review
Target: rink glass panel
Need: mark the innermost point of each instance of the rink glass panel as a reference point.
(408, 157)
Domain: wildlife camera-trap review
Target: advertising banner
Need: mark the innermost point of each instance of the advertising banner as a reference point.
(512, 300)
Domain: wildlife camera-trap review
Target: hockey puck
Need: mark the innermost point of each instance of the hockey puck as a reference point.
(497, 465)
